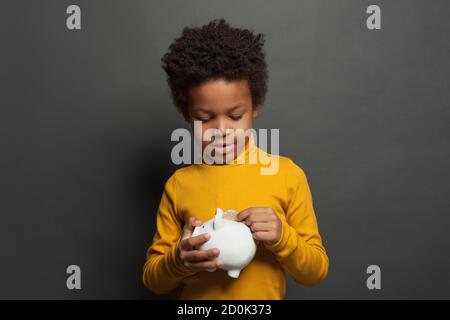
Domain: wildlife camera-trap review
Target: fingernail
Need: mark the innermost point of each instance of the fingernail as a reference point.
(206, 235)
(220, 263)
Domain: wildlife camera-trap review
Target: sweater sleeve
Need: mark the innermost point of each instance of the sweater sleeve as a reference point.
(163, 269)
(300, 250)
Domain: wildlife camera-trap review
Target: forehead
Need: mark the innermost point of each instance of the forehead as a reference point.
(219, 94)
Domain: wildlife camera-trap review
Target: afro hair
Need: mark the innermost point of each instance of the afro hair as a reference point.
(215, 51)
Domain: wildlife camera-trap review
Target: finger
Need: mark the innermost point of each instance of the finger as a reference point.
(254, 211)
(243, 214)
(262, 226)
(190, 243)
(264, 235)
(200, 255)
(260, 217)
(189, 227)
(204, 265)
(251, 211)
(197, 222)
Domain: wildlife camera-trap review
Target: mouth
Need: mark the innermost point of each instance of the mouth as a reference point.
(223, 148)
(222, 145)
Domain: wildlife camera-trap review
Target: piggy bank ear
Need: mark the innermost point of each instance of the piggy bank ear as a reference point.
(218, 219)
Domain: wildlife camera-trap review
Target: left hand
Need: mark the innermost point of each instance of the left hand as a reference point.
(264, 223)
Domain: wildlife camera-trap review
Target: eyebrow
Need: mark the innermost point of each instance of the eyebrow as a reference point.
(231, 109)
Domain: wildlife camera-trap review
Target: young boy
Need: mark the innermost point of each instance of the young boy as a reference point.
(218, 75)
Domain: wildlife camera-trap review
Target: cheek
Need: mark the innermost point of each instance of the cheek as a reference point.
(208, 132)
(246, 122)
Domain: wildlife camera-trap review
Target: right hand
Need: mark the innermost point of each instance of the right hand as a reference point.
(197, 260)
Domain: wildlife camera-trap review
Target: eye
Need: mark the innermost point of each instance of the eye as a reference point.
(236, 117)
(203, 119)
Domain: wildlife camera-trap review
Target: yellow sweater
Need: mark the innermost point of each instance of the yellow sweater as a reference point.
(197, 190)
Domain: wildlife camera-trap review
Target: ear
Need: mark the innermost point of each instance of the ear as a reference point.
(256, 110)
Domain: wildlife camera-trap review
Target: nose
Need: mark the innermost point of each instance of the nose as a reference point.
(222, 126)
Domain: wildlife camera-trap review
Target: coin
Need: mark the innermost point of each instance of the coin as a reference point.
(230, 215)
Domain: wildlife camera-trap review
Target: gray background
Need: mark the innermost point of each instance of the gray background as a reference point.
(86, 119)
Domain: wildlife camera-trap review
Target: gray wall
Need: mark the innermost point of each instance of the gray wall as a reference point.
(85, 143)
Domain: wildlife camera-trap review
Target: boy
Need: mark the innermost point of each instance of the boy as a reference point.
(218, 75)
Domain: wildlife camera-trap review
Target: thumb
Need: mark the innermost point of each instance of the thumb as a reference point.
(189, 227)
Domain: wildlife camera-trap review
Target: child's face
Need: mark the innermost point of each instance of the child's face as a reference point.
(222, 105)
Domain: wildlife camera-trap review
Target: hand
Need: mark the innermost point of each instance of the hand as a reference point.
(197, 260)
(264, 223)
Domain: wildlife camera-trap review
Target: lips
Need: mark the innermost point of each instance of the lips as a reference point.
(224, 148)
(222, 145)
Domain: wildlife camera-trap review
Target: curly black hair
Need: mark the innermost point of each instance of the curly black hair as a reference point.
(215, 51)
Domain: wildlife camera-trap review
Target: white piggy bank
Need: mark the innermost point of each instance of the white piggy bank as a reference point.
(234, 240)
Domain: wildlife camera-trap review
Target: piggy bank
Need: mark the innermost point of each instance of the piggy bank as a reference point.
(234, 240)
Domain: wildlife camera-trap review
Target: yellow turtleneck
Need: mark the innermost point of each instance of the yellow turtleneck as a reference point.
(197, 190)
